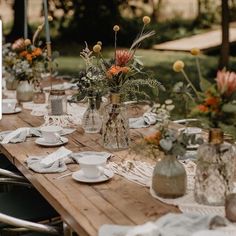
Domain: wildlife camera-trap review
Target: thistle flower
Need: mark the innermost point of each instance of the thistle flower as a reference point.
(146, 20)
(116, 28)
(178, 66)
(97, 48)
(123, 57)
(195, 51)
(226, 82)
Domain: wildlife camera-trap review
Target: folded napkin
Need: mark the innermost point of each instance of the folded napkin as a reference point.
(56, 161)
(18, 135)
(171, 224)
(53, 163)
(148, 118)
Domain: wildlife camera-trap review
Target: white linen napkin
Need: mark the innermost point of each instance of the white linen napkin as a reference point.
(148, 118)
(18, 135)
(171, 224)
(61, 153)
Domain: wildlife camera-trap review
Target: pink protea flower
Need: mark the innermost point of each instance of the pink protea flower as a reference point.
(226, 82)
(123, 57)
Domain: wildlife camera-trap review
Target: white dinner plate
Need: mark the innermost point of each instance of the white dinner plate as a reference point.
(42, 142)
(79, 176)
(17, 110)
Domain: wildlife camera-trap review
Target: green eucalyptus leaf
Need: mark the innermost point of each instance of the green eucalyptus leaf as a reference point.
(229, 107)
(165, 144)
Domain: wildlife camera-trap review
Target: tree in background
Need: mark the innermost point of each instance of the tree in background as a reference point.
(224, 52)
(87, 20)
(17, 30)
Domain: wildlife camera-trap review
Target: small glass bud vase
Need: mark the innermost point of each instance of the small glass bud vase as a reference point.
(115, 131)
(57, 102)
(92, 121)
(215, 170)
(169, 178)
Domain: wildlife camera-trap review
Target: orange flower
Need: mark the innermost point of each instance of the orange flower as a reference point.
(29, 57)
(202, 108)
(212, 101)
(37, 52)
(123, 57)
(153, 138)
(23, 54)
(115, 70)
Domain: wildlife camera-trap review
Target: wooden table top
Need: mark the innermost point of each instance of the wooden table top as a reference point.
(84, 207)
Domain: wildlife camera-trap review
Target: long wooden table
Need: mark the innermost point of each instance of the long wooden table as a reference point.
(84, 207)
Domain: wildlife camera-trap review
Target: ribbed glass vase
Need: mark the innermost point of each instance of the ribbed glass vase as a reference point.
(115, 131)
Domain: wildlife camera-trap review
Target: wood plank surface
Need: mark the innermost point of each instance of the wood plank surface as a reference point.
(84, 207)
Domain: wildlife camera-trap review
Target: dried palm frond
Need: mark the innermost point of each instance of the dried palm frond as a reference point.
(141, 38)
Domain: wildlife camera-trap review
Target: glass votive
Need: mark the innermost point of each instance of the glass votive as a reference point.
(57, 102)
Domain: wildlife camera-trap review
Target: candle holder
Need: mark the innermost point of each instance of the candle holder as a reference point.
(57, 102)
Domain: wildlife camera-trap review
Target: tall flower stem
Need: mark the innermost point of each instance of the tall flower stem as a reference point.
(198, 68)
(115, 45)
(191, 84)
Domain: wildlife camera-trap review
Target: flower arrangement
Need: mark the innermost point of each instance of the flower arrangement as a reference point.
(167, 141)
(124, 73)
(215, 102)
(91, 80)
(29, 59)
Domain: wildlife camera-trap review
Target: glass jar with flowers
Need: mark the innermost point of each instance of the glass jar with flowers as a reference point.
(91, 86)
(126, 80)
(215, 106)
(216, 159)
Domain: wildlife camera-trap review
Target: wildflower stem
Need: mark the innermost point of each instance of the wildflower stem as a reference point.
(115, 45)
(191, 84)
(198, 69)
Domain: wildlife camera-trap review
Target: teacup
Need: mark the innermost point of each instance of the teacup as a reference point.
(8, 105)
(51, 134)
(92, 167)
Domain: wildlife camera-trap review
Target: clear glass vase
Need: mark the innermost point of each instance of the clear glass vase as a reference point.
(92, 121)
(169, 178)
(24, 91)
(215, 170)
(11, 82)
(115, 131)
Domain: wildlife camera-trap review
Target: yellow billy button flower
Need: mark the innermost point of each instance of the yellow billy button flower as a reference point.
(97, 48)
(27, 42)
(99, 43)
(146, 20)
(195, 51)
(50, 18)
(40, 27)
(116, 28)
(178, 66)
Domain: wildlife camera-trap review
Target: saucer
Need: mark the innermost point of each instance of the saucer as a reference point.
(17, 110)
(79, 176)
(42, 142)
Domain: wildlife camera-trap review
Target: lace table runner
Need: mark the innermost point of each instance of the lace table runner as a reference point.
(141, 173)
